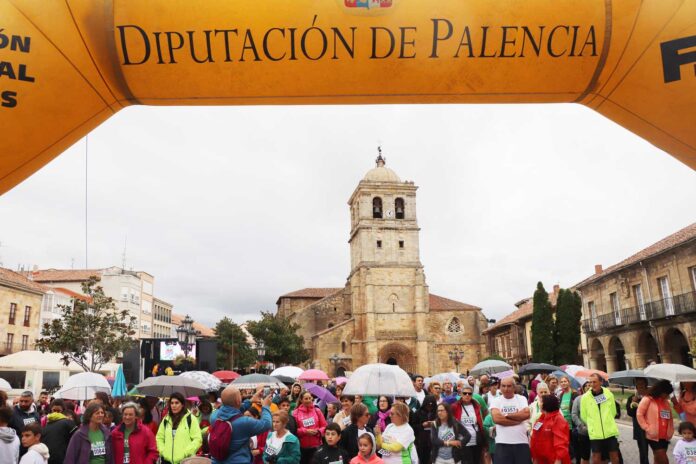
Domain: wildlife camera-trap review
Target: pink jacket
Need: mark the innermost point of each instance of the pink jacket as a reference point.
(374, 459)
(309, 419)
(648, 416)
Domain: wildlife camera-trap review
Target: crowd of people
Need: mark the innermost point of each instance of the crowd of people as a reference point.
(468, 421)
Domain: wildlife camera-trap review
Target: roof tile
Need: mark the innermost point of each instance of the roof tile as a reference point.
(14, 278)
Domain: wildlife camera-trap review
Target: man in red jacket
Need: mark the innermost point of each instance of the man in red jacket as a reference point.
(131, 440)
(550, 440)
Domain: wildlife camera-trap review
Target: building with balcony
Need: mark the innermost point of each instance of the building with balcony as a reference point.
(161, 318)
(643, 309)
(20, 307)
(511, 337)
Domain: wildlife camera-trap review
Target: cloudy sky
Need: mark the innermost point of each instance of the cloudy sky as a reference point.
(231, 207)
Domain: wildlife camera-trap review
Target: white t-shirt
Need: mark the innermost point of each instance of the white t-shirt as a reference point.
(685, 451)
(274, 444)
(402, 434)
(469, 422)
(510, 434)
(420, 396)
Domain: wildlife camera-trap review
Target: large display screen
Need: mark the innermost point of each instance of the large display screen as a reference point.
(170, 350)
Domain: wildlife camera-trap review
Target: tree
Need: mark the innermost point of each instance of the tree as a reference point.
(542, 327)
(89, 333)
(233, 348)
(567, 327)
(283, 345)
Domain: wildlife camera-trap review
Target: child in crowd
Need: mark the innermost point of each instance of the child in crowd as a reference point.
(685, 449)
(37, 452)
(331, 452)
(367, 453)
(9, 441)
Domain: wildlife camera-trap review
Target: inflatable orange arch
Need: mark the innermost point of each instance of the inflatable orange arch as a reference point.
(66, 66)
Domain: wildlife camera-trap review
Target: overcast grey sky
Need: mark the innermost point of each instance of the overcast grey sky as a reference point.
(231, 207)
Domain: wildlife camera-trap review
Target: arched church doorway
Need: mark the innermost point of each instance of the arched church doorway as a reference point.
(340, 371)
(397, 354)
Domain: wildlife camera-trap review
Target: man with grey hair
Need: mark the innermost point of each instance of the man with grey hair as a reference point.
(23, 414)
(510, 413)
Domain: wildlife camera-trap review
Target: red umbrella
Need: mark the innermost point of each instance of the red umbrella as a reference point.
(226, 376)
(313, 374)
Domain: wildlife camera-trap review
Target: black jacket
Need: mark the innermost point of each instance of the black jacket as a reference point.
(292, 425)
(460, 433)
(326, 454)
(56, 435)
(373, 421)
(349, 440)
(20, 419)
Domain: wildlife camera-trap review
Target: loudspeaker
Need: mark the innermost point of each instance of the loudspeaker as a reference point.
(206, 351)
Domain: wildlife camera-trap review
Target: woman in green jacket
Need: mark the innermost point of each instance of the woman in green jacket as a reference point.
(282, 447)
(179, 436)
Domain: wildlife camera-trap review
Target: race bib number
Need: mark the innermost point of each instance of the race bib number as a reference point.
(271, 451)
(508, 409)
(126, 458)
(600, 399)
(309, 422)
(29, 420)
(98, 448)
(448, 435)
(690, 451)
(468, 421)
(346, 421)
(384, 452)
(664, 414)
(538, 425)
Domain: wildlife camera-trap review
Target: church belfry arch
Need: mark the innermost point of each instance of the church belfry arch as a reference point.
(377, 208)
(399, 208)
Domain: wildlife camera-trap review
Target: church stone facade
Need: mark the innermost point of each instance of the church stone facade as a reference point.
(385, 312)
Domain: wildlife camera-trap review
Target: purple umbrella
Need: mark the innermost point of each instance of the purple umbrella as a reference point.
(320, 392)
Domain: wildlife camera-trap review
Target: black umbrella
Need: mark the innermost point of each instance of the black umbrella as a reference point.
(628, 378)
(537, 368)
(285, 379)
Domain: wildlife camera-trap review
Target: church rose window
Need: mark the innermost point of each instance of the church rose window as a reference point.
(454, 326)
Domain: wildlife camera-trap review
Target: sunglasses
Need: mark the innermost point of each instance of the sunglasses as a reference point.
(466, 393)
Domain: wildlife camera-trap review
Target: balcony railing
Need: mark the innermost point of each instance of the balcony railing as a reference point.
(650, 311)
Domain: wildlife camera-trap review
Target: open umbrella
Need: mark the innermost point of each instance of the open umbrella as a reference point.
(83, 386)
(672, 372)
(320, 392)
(490, 366)
(5, 385)
(252, 381)
(284, 378)
(288, 371)
(574, 383)
(163, 386)
(209, 381)
(380, 379)
(119, 389)
(628, 377)
(226, 376)
(449, 376)
(313, 374)
(586, 373)
(340, 380)
(537, 368)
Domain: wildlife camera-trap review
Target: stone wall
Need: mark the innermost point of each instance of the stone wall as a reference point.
(21, 299)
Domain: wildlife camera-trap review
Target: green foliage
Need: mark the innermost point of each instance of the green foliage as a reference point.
(567, 327)
(283, 345)
(233, 349)
(542, 327)
(90, 333)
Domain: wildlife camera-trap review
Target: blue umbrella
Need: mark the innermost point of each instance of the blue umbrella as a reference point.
(574, 383)
(119, 389)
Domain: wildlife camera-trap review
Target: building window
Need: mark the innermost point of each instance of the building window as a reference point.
(9, 342)
(615, 308)
(640, 302)
(401, 243)
(50, 380)
(25, 342)
(377, 208)
(593, 314)
(124, 293)
(147, 307)
(399, 208)
(147, 287)
(13, 313)
(27, 315)
(666, 293)
(454, 326)
(379, 244)
(693, 277)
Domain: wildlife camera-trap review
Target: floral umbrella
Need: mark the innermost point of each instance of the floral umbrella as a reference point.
(209, 381)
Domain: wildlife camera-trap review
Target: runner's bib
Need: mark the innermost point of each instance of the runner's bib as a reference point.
(346, 421)
(98, 448)
(126, 458)
(468, 421)
(271, 451)
(600, 399)
(29, 420)
(509, 409)
(664, 414)
(690, 451)
(309, 422)
(538, 425)
(384, 452)
(447, 436)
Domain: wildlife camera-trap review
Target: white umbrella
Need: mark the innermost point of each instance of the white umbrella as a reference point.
(83, 386)
(164, 385)
(210, 382)
(380, 379)
(5, 385)
(490, 366)
(289, 371)
(252, 381)
(672, 372)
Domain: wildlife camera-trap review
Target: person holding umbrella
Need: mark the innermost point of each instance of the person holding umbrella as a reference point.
(655, 418)
(179, 435)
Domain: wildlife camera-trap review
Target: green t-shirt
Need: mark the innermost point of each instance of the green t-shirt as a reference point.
(482, 402)
(97, 454)
(126, 446)
(566, 408)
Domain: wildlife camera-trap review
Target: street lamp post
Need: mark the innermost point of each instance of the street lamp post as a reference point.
(261, 351)
(335, 359)
(186, 336)
(456, 356)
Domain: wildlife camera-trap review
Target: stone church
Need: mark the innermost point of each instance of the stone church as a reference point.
(385, 312)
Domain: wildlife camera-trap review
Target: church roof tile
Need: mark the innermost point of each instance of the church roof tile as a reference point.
(438, 303)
